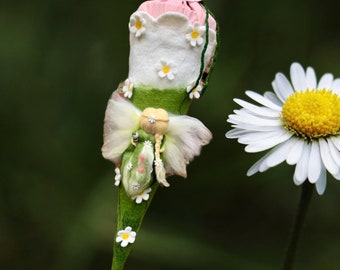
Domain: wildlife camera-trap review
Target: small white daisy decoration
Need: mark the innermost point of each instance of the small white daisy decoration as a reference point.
(118, 176)
(128, 88)
(195, 35)
(299, 122)
(126, 236)
(137, 25)
(194, 93)
(166, 70)
(143, 196)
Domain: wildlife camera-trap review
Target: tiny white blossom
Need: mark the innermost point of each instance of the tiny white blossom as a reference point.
(128, 88)
(147, 144)
(144, 195)
(158, 162)
(118, 176)
(137, 25)
(129, 166)
(195, 35)
(166, 69)
(126, 236)
(194, 93)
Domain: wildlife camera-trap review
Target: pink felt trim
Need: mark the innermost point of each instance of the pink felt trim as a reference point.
(194, 11)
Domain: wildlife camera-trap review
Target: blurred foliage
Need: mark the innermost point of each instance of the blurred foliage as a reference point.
(60, 61)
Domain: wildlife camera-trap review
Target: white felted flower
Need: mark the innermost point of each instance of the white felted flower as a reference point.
(195, 35)
(126, 236)
(166, 69)
(118, 176)
(137, 25)
(128, 88)
(300, 121)
(194, 93)
(143, 196)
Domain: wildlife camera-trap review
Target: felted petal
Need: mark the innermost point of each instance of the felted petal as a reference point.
(298, 77)
(184, 140)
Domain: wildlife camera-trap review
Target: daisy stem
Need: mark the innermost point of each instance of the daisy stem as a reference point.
(305, 199)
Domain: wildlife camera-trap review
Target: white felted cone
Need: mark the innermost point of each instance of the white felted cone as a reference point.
(146, 134)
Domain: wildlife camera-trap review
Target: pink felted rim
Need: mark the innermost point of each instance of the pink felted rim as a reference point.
(193, 10)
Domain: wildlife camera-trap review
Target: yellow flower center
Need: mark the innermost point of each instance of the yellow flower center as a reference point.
(125, 236)
(166, 69)
(195, 34)
(138, 25)
(312, 114)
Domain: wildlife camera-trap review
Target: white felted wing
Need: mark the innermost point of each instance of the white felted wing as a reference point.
(121, 119)
(185, 137)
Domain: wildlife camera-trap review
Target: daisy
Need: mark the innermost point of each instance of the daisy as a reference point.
(194, 37)
(126, 236)
(194, 93)
(144, 195)
(166, 69)
(300, 121)
(128, 88)
(137, 25)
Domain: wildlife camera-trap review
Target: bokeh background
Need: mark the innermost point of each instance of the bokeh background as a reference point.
(60, 62)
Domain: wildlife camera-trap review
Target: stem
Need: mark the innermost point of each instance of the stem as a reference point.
(305, 199)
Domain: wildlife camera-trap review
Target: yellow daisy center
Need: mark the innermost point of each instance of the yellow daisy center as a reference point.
(138, 25)
(166, 69)
(125, 236)
(195, 34)
(312, 114)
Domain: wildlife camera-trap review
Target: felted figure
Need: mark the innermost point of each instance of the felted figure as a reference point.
(146, 132)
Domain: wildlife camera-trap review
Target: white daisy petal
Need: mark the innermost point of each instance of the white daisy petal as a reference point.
(251, 119)
(314, 163)
(251, 127)
(282, 87)
(336, 141)
(273, 98)
(280, 153)
(263, 111)
(256, 137)
(262, 100)
(268, 143)
(321, 182)
(301, 169)
(327, 159)
(336, 86)
(311, 78)
(295, 152)
(236, 132)
(334, 152)
(255, 167)
(326, 82)
(298, 77)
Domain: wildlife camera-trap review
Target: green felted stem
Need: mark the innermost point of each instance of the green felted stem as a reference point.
(129, 213)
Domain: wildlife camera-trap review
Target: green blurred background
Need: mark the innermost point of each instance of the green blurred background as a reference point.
(60, 62)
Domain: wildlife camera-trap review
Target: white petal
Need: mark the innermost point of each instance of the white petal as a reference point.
(336, 141)
(311, 78)
(322, 181)
(268, 143)
(326, 81)
(336, 86)
(334, 152)
(258, 110)
(273, 98)
(298, 77)
(301, 169)
(282, 87)
(257, 137)
(255, 167)
(262, 100)
(280, 153)
(251, 127)
(254, 120)
(295, 152)
(314, 163)
(327, 159)
(236, 132)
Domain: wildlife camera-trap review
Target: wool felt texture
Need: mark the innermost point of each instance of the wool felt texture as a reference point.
(164, 39)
